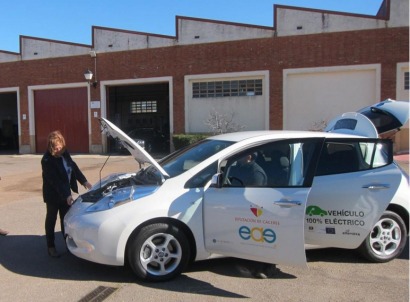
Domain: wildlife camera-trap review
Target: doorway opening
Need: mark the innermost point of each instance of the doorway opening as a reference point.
(142, 112)
(9, 142)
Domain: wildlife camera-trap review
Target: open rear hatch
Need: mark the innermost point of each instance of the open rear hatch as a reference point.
(381, 119)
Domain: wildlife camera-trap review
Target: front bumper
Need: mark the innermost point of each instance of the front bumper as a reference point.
(94, 236)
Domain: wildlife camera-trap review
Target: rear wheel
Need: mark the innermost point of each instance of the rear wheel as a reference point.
(387, 239)
(158, 252)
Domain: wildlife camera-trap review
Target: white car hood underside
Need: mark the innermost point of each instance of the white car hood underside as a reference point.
(140, 155)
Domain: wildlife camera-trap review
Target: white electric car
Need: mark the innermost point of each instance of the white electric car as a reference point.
(338, 188)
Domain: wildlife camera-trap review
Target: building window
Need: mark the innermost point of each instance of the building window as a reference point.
(143, 107)
(406, 80)
(226, 88)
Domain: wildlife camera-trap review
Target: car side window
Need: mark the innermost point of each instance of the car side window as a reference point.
(376, 154)
(242, 170)
(347, 157)
(277, 164)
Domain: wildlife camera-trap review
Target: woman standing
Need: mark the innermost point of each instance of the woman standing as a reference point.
(60, 176)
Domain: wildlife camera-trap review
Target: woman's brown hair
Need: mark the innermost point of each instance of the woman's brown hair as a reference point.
(53, 139)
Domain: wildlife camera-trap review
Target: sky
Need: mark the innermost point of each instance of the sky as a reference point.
(72, 20)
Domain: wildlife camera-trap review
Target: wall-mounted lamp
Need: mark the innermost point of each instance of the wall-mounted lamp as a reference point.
(88, 75)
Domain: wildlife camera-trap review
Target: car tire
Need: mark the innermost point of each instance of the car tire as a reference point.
(386, 240)
(158, 252)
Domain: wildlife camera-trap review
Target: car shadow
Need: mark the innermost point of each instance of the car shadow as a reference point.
(230, 267)
(185, 284)
(345, 256)
(27, 255)
(235, 267)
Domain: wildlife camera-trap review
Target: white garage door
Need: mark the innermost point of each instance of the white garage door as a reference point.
(313, 96)
(238, 99)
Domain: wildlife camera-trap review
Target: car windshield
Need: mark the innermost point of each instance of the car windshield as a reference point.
(188, 157)
(182, 160)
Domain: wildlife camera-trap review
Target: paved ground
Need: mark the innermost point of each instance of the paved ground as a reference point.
(21, 174)
(28, 274)
(403, 161)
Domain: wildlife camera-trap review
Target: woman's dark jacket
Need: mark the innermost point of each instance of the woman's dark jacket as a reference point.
(56, 185)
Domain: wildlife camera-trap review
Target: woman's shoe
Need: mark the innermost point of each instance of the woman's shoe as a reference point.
(52, 252)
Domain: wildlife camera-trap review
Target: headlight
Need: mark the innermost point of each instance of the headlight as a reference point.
(113, 199)
(141, 143)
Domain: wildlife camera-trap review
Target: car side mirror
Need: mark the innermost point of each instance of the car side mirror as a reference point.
(216, 181)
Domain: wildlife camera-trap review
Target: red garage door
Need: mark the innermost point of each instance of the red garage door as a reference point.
(64, 110)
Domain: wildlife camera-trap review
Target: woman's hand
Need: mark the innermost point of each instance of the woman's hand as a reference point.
(87, 185)
(70, 200)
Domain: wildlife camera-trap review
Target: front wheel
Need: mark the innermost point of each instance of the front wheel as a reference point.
(387, 239)
(158, 252)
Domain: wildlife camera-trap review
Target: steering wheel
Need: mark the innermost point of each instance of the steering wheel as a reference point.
(230, 181)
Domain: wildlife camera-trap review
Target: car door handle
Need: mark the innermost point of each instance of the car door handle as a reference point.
(287, 203)
(376, 186)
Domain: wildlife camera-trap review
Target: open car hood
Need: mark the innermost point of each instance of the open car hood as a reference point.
(140, 155)
(372, 121)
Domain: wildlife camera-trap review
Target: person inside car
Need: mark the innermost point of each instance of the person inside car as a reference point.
(245, 172)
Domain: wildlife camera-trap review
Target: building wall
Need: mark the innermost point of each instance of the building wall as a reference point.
(6, 56)
(402, 138)
(36, 48)
(197, 31)
(290, 21)
(220, 49)
(109, 40)
(272, 54)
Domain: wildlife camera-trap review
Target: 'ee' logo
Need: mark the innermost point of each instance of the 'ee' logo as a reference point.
(257, 234)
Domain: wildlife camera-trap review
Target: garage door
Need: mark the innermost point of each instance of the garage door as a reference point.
(64, 110)
(313, 96)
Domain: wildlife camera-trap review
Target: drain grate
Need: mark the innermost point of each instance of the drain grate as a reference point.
(99, 294)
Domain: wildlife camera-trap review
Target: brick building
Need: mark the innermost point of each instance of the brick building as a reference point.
(307, 68)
